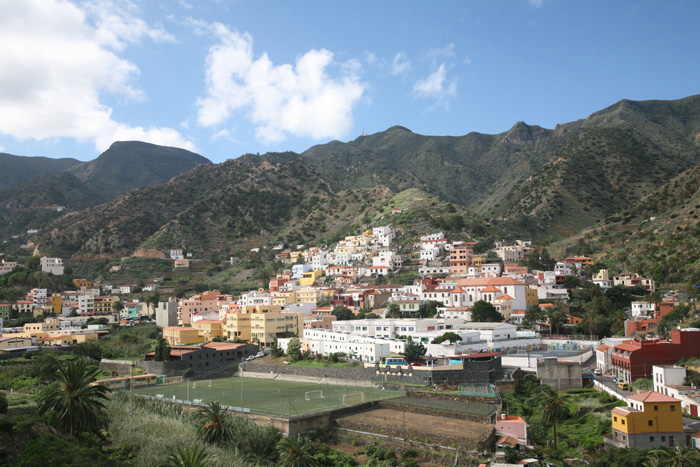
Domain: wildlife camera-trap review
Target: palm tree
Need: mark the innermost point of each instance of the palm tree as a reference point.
(46, 366)
(216, 424)
(555, 410)
(189, 457)
(591, 318)
(681, 456)
(556, 316)
(76, 404)
(296, 451)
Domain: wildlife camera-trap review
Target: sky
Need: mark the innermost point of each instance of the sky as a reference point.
(225, 78)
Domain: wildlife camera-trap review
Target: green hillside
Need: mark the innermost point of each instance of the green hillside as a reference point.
(133, 164)
(19, 169)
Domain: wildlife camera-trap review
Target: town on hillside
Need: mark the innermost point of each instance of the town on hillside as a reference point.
(425, 324)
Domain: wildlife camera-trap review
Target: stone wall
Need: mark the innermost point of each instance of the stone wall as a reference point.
(397, 406)
(465, 444)
(474, 372)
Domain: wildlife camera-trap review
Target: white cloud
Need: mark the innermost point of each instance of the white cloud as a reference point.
(281, 100)
(58, 62)
(400, 65)
(447, 51)
(436, 86)
(536, 3)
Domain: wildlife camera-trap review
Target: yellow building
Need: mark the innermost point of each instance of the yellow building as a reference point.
(308, 278)
(182, 335)
(56, 303)
(80, 283)
(652, 419)
(309, 295)
(531, 297)
(209, 328)
(478, 261)
(285, 297)
(262, 324)
(105, 305)
(238, 326)
(294, 255)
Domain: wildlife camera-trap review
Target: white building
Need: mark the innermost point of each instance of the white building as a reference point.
(670, 380)
(52, 265)
(434, 236)
(641, 309)
(176, 254)
(384, 235)
(429, 254)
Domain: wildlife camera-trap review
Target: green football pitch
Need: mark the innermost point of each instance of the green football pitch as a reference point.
(268, 397)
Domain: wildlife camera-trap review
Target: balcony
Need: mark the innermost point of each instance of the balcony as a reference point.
(608, 441)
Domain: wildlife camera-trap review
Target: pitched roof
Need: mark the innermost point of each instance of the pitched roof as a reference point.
(505, 297)
(603, 348)
(651, 396)
(490, 288)
(486, 281)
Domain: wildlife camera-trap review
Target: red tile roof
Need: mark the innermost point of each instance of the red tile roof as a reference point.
(651, 396)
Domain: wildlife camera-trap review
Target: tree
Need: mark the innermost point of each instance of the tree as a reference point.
(428, 309)
(681, 456)
(162, 352)
(393, 311)
(88, 349)
(215, 423)
(448, 336)
(75, 406)
(556, 317)
(592, 320)
(296, 451)
(118, 306)
(189, 457)
(484, 312)
(46, 366)
(414, 351)
(555, 410)
(342, 313)
(294, 349)
(533, 315)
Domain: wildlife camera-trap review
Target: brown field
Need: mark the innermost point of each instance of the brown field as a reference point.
(428, 424)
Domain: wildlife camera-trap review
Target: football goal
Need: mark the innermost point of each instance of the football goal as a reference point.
(205, 382)
(354, 398)
(314, 395)
(168, 380)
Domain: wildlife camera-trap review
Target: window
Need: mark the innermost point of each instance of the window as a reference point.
(651, 439)
(673, 408)
(656, 408)
(615, 418)
(651, 422)
(623, 421)
(663, 439)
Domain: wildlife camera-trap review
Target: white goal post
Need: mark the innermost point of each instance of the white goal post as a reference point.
(354, 398)
(169, 380)
(313, 395)
(201, 383)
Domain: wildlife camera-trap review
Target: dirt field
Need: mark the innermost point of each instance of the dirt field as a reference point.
(424, 423)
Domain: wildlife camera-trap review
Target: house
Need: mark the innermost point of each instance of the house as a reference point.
(176, 254)
(182, 335)
(52, 266)
(7, 266)
(182, 263)
(651, 420)
(630, 279)
(634, 359)
(670, 381)
(82, 283)
(514, 427)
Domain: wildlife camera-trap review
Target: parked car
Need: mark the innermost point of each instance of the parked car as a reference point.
(624, 386)
(614, 379)
(597, 371)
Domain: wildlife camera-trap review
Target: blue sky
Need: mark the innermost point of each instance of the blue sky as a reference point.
(225, 78)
